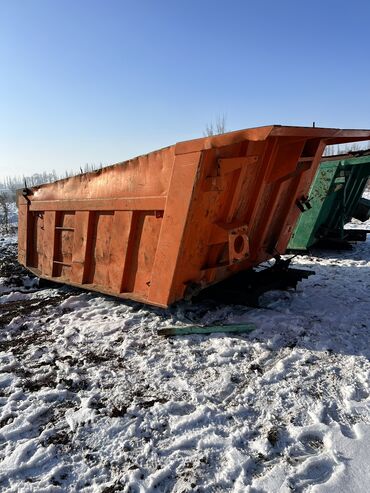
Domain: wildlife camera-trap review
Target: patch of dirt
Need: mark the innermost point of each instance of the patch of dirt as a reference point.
(256, 367)
(24, 308)
(90, 357)
(20, 344)
(9, 266)
(33, 385)
(61, 438)
(146, 404)
(7, 420)
(75, 386)
(115, 488)
(273, 436)
(116, 412)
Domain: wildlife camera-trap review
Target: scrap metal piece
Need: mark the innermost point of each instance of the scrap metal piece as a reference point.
(335, 197)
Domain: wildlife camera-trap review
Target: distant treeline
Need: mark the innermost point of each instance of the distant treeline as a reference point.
(10, 184)
(13, 183)
(333, 150)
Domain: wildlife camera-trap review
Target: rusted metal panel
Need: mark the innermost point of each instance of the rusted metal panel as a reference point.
(23, 233)
(156, 227)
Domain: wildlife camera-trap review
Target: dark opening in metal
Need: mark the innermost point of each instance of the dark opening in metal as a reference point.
(239, 244)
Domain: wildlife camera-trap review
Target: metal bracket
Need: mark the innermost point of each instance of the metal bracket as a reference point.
(238, 244)
(26, 192)
(237, 238)
(304, 204)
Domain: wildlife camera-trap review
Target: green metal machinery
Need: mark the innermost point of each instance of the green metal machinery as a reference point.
(335, 198)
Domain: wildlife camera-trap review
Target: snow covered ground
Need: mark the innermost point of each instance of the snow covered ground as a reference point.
(93, 400)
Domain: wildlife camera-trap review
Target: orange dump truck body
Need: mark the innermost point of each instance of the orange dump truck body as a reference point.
(159, 226)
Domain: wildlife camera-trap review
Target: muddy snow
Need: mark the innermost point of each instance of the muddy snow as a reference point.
(93, 400)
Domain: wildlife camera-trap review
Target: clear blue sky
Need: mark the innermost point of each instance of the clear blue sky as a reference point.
(86, 81)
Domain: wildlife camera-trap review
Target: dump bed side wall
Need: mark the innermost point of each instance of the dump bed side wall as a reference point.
(99, 230)
(144, 176)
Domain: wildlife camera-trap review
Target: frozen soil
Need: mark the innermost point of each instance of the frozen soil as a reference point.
(93, 400)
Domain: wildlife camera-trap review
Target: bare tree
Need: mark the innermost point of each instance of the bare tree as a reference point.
(4, 204)
(219, 127)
